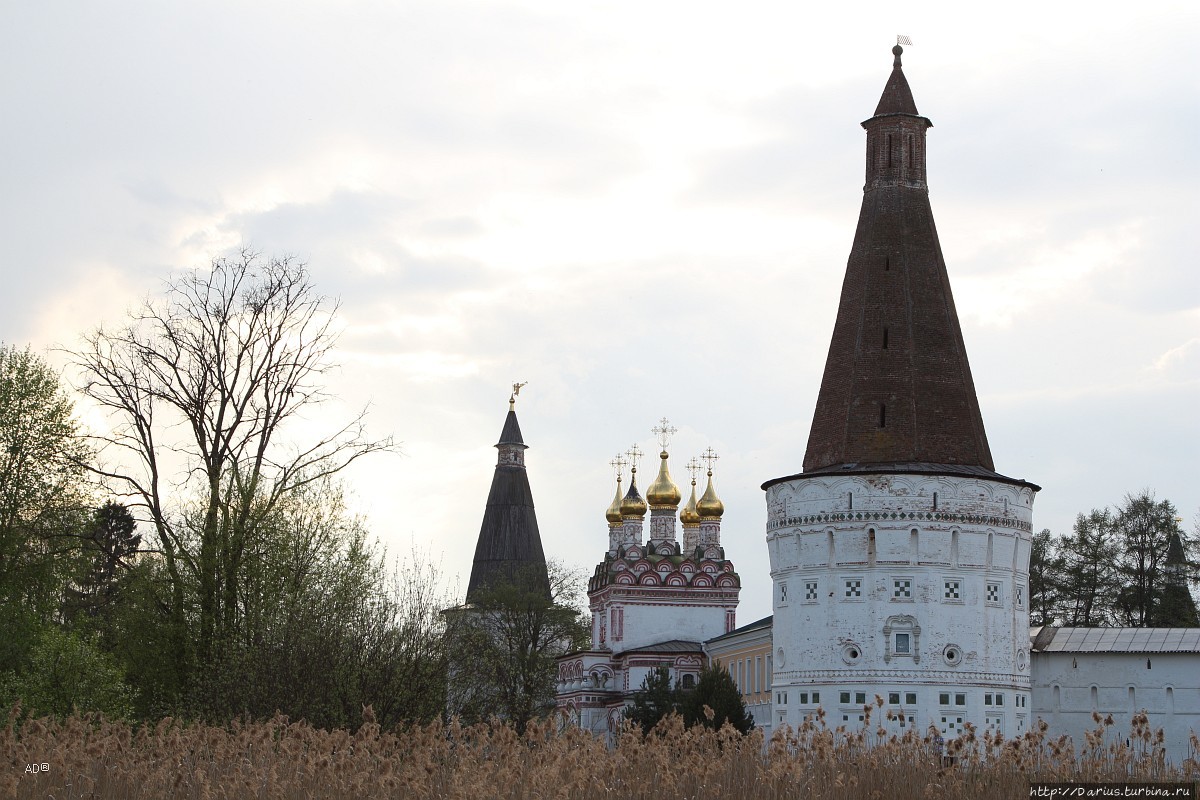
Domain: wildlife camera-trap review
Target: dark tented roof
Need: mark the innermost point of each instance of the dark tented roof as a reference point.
(509, 549)
(897, 98)
(1116, 640)
(897, 386)
(512, 431)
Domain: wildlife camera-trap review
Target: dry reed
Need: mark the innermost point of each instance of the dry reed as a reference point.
(90, 757)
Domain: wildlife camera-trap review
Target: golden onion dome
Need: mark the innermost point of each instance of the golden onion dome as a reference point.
(633, 506)
(690, 516)
(663, 493)
(710, 506)
(613, 514)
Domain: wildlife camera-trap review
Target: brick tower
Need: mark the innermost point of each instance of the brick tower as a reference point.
(899, 556)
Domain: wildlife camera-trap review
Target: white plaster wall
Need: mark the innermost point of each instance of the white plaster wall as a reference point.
(1168, 691)
(647, 624)
(977, 533)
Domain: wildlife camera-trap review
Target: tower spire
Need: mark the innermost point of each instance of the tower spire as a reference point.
(897, 386)
(509, 548)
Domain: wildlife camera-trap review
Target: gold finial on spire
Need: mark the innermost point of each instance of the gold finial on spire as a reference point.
(633, 506)
(663, 493)
(710, 506)
(690, 516)
(512, 398)
(613, 514)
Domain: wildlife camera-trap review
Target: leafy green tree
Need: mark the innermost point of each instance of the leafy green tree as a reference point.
(654, 701)
(68, 673)
(505, 643)
(43, 499)
(715, 701)
(328, 627)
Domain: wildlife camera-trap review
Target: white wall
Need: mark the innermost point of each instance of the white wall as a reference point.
(1068, 687)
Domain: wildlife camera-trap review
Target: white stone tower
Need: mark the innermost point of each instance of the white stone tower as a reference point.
(900, 557)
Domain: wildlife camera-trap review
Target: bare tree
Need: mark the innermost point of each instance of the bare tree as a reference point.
(199, 386)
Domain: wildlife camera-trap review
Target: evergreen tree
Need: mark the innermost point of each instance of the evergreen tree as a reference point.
(1046, 570)
(1090, 582)
(715, 701)
(1144, 528)
(655, 700)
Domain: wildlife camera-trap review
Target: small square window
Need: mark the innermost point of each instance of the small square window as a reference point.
(844, 698)
(999, 699)
(987, 699)
(953, 590)
(816, 697)
(944, 698)
(894, 698)
(860, 697)
(783, 593)
(902, 588)
(854, 588)
(960, 699)
(1019, 596)
(910, 698)
(903, 645)
(803, 698)
(993, 592)
(810, 590)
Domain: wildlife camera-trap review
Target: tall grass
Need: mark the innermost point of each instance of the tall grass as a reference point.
(90, 756)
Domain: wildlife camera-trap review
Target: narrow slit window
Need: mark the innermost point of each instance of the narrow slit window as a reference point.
(889, 151)
(887, 263)
(885, 338)
(882, 415)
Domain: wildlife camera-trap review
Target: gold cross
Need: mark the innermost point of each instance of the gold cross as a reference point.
(710, 456)
(664, 431)
(693, 466)
(618, 464)
(634, 454)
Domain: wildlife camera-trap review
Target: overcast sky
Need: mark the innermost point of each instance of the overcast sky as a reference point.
(642, 209)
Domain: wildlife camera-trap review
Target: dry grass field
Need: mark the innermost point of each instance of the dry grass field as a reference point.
(88, 757)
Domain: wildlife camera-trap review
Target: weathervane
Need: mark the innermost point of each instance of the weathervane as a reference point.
(512, 398)
(710, 456)
(664, 431)
(903, 40)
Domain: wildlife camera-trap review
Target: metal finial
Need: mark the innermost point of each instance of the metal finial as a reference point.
(634, 453)
(512, 398)
(618, 464)
(710, 456)
(664, 431)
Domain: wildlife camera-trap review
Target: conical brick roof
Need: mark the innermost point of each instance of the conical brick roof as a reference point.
(897, 386)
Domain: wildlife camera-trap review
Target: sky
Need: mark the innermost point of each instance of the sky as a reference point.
(643, 209)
